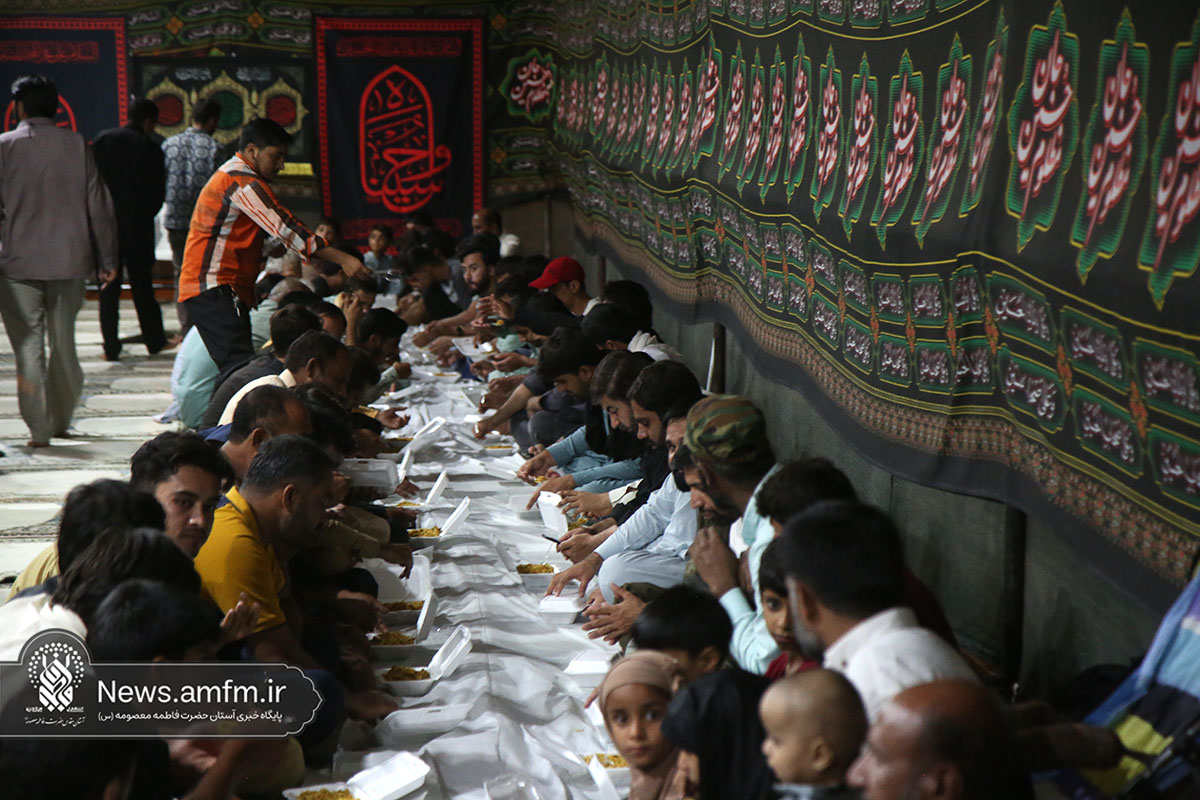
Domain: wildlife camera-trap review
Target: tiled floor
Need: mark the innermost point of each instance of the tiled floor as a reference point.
(113, 419)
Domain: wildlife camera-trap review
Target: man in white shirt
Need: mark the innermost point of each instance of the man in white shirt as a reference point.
(316, 357)
(845, 574)
(650, 547)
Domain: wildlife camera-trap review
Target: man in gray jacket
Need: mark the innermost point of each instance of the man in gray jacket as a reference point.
(57, 229)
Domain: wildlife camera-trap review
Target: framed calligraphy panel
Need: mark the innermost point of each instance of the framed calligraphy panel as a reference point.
(277, 90)
(84, 56)
(400, 113)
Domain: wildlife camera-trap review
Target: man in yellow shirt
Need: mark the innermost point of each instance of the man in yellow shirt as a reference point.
(268, 518)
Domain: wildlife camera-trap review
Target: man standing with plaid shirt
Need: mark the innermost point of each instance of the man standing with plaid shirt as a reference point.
(234, 215)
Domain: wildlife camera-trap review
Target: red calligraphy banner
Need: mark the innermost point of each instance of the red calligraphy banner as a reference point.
(401, 120)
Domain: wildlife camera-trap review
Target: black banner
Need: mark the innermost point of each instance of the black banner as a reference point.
(401, 120)
(84, 56)
(968, 230)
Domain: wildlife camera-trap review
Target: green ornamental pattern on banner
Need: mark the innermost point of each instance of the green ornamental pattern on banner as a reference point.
(990, 266)
(967, 230)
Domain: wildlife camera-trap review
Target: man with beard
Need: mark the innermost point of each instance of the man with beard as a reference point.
(651, 546)
(725, 459)
(271, 515)
(478, 257)
(845, 576)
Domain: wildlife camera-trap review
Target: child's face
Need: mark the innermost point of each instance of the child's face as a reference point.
(779, 620)
(378, 242)
(788, 746)
(326, 232)
(634, 714)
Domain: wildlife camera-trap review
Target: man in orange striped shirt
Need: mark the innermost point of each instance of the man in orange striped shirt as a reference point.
(234, 215)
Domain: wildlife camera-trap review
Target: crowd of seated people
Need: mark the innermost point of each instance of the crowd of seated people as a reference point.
(776, 643)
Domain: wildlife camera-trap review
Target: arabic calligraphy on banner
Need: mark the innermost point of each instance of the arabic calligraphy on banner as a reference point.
(993, 266)
(401, 120)
(85, 57)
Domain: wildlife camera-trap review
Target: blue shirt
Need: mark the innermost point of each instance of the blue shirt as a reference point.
(596, 471)
(383, 263)
(752, 646)
(191, 159)
(192, 378)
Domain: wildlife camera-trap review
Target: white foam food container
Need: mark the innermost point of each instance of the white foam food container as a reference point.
(426, 435)
(500, 449)
(405, 393)
(401, 774)
(424, 622)
(510, 787)
(393, 587)
(407, 616)
(468, 440)
(456, 517)
(435, 491)
(617, 779)
(466, 345)
(444, 662)
(552, 516)
(589, 668)
(561, 610)
(604, 783)
(377, 473)
(517, 502)
(405, 463)
(537, 582)
(402, 725)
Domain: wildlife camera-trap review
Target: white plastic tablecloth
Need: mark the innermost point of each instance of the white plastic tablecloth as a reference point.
(527, 717)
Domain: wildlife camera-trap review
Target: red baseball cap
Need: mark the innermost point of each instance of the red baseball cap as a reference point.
(561, 270)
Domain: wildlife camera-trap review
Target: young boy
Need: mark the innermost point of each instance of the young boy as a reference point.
(690, 626)
(815, 725)
(773, 595)
(376, 257)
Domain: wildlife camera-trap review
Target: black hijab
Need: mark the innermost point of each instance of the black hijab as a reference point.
(716, 719)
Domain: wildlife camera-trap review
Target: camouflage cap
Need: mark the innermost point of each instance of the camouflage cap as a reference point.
(728, 429)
